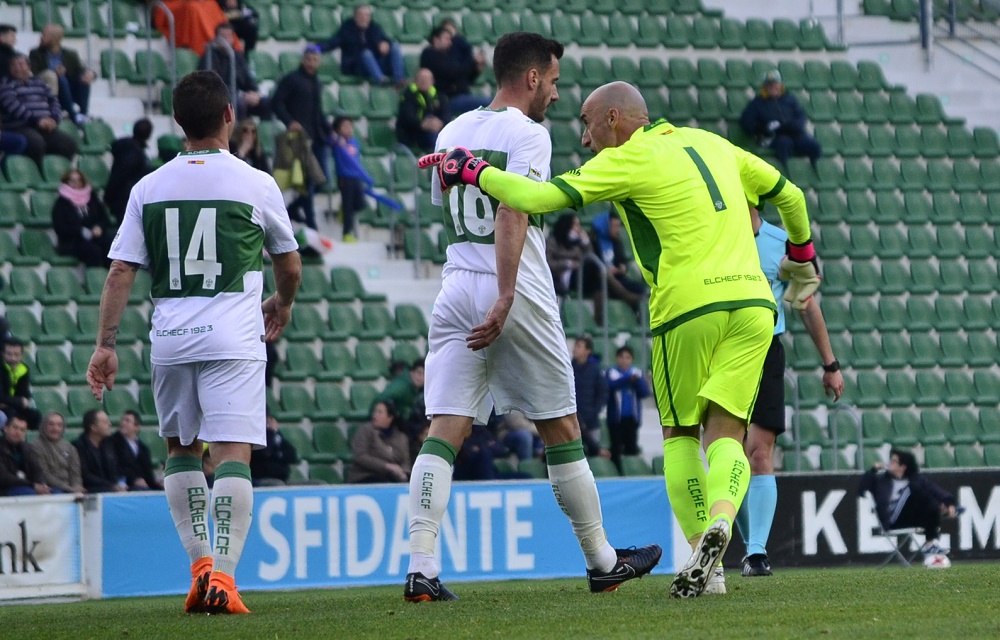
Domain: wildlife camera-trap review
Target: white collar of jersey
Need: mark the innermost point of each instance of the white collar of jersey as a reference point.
(203, 152)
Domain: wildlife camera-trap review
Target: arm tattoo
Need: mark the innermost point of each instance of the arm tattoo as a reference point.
(110, 337)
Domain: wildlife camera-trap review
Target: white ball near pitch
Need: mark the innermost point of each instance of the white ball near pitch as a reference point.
(937, 561)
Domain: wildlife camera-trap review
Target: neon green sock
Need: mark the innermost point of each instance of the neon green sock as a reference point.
(684, 474)
(728, 478)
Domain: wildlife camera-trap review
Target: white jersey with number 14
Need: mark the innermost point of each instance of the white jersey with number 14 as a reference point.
(200, 223)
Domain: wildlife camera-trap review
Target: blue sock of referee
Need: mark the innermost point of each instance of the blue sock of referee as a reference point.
(757, 513)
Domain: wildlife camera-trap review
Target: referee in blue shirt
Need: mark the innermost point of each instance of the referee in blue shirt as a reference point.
(768, 419)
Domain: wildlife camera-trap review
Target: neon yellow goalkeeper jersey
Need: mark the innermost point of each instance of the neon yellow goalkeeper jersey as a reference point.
(682, 194)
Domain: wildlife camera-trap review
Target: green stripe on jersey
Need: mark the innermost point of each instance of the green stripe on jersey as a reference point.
(644, 237)
(201, 248)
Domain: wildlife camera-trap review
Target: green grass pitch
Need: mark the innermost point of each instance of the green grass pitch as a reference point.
(853, 603)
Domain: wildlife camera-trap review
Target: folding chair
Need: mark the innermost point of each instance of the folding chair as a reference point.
(905, 545)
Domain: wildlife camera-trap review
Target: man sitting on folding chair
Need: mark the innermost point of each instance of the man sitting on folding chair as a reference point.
(906, 501)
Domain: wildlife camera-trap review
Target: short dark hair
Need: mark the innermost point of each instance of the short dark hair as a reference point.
(142, 129)
(417, 364)
(907, 459)
(200, 101)
(518, 51)
(339, 120)
(134, 414)
(223, 25)
(437, 31)
(586, 340)
(625, 349)
(90, 419)
(7, 28)
(13, 342)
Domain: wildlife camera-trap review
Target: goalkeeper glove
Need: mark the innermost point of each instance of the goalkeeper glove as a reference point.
(800, 267)
(456, 166)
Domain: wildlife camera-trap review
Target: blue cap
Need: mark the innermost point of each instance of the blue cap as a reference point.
(312, 48)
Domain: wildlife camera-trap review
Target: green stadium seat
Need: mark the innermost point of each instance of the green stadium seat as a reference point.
(958, 389)
(376, 322)
(989, 418)
(793, 74)
(24, 286)
(973, 210)
(410, 323)
(343, 323)
(811, 36)
(906, 429)
(870, 77)
(864, 242)
(785, 35)
(565, 28)
(61, 286)
(330, 443)
(934, 142)
(346, 280)
(986, 384)
(150, 64)
(79, 401)
(58, 326)
(976, 314)
(503, 22)
(901, 391)
(901, 108)
(982, 277)
(836, 278)
(983, 350)
(704, 33)
(264, 64)
(853, 141)
(157, 445)
(652, 72)
(986, 144)
(116, 402)
(51, 366)
(857, 176)
(295, 403)
(314, 286)
(406, 352)
(950, 242)
(337, 362)
(895, 353)
(928, 110)
(801, 462)
(968, 456)
(299, 439)
(948, 313)
(538, 469)
(95, 169)
(960, 142)
(620, 32)
(362, 396)
(577, 318)
(133, 367)
(299, 363)
(416, 27)
(963, 427)
(650, 33)
(758, 35)
(370, 362)
(307, 324)
(325, 473)
(291, 23)
(876, 429)
(865, 351)
(937, 457)
(935, 427)
(331, 402)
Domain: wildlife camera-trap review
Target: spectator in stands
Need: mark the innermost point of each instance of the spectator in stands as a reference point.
(405, 389)
(98, 464)
(249, 101)
(63, 72)
(271, 466)
(517, 433)
(381, 450)
(454, 67)
(81, 221)
(245, 145)
(134, 459)
(129, 165)
(244, 20)
(15, 385)
(8, 38)
(591, 394)
(422, 112)
(20, 474)
(351, 174)
(365, 50)
(56, 457)
(29, 108)
(608, 246)
(776, 119)
(567, 250)
(475, 460)
(297, 102)
(906, 498)
(627, 387)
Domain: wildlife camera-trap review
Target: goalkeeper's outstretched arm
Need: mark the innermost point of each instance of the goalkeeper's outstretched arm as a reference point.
(522, 193)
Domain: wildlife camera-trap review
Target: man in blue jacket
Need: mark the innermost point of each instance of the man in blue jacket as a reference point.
(365, 50)
(591, 393)
(776, 119)
(627, 387)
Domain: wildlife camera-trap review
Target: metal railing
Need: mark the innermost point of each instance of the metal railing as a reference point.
(171, 49)
(605, 333)
(393, 214)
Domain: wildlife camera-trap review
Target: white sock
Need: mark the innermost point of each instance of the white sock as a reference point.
(576, 492)
(232, 505)
(187, 496)
(430, 490)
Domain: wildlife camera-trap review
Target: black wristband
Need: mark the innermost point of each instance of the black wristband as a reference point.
(833, 366)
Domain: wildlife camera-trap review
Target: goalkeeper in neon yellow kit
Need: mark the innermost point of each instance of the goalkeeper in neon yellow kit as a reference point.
(682, 194)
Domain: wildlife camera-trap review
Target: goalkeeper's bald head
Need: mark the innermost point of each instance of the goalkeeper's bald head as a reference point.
(611, 114)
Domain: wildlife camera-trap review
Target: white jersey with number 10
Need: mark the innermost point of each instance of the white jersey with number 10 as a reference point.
(200, 223)
(511, 141)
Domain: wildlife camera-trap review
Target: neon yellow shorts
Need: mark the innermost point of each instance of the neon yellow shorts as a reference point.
(715, 357)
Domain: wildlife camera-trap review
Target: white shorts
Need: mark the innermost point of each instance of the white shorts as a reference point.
(528, 368)
(215, 401)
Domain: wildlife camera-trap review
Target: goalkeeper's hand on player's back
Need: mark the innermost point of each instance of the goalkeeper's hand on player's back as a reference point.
(800, 267)
(455, 166)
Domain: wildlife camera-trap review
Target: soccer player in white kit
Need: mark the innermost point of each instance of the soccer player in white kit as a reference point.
(496, 329)
(199, 224)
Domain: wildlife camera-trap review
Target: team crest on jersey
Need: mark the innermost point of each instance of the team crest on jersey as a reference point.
(534, 173)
